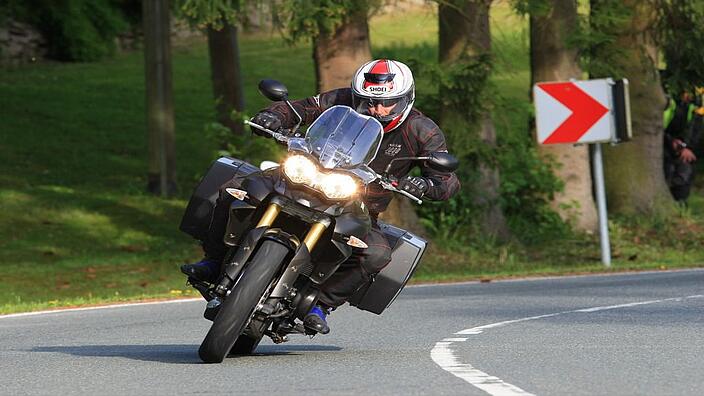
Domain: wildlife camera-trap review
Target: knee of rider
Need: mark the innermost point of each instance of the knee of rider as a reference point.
(377, 261)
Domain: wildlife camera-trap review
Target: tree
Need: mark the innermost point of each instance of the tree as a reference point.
(552, 60)
(220, 18)
(465, 54)
(338, 54)
(634, 174)
(226, 75)
(160, 108)
(340, 35)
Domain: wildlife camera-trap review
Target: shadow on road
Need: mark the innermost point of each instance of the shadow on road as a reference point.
(174, 354)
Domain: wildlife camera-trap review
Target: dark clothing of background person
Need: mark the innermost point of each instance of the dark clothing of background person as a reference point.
(416, 136)
(681, 133)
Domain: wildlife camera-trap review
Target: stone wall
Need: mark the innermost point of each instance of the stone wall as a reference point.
(20, 43)
(181, 34)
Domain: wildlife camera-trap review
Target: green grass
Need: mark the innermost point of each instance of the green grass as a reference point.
(77, 228)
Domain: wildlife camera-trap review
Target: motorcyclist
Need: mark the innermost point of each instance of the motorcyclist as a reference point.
(385, 90)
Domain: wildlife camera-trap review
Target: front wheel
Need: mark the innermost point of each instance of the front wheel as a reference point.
(239, 306)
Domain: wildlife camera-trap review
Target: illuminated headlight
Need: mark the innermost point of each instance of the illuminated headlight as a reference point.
(300, 169)
(337, 186)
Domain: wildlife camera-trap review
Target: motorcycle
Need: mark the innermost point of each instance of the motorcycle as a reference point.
(290, 227)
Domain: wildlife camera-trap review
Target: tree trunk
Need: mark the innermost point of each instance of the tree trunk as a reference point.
(551, 60)
(338, 55)
(160, 104)
(464, 36)
(635, 182)
(226, 75)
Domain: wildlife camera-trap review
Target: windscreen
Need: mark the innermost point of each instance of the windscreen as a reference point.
(343, 138)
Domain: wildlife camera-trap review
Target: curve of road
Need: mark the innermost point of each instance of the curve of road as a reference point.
(616, 334)
(443, 355)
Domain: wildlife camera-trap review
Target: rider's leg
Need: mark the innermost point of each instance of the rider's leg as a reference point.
(351, 276)
(214, 249)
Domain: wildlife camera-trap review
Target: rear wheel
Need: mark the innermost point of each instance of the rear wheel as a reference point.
(239, 306)
(244, 345)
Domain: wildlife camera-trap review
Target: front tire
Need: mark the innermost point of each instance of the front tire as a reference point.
(239, 306)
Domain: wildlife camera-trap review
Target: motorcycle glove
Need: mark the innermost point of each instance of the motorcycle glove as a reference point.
(416, 186)
(268, 120)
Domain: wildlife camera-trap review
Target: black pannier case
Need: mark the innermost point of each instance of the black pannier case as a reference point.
(407, 250)
(196, 219)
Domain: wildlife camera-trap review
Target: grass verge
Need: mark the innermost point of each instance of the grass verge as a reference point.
(76, 227)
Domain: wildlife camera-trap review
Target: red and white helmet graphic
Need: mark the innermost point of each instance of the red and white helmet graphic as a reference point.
(387, 83)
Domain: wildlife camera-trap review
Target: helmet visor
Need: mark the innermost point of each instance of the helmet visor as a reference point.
(379, 78)
(384, 109)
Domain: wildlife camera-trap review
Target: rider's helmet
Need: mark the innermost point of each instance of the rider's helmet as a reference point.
(385, 82)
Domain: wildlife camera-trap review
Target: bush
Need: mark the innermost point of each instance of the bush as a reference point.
(76, 30)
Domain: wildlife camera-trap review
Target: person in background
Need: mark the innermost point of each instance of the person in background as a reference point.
(683, 121)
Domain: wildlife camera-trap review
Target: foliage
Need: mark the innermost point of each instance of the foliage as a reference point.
(527, 188)
(249, 148)
(76, 30)
(303, 19)
(681, 34)
(462, 86)
(597, 34)
(531, 7)
(594, 34)
(214, 13)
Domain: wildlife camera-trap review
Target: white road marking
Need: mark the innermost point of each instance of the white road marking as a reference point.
(444, 357)
(56, 311)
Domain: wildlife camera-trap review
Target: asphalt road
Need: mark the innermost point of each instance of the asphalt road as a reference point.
(640, 334)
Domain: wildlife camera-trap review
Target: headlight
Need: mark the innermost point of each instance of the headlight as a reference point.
(337, 186)
(300, 169)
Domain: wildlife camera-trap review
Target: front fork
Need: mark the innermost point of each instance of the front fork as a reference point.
(311, 238)
(232, 268)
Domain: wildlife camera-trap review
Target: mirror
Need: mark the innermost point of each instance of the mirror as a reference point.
(273, 90)
(443, 162)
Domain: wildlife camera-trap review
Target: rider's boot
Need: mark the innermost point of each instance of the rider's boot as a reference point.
(206, 270)
(315, 320)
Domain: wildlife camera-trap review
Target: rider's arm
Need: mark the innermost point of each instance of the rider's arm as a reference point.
(443, 185)
(310, 108)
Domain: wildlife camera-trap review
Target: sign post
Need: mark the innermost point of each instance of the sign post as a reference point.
(598, 168)
(585, 112)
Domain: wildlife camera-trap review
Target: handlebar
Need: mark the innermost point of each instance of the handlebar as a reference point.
(388, 185)
(384, 181)
(276, 135)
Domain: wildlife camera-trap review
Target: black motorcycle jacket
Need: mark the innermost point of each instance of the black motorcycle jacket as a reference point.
(417, 136)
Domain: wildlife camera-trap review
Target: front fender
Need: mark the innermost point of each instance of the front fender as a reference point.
(238, 222)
